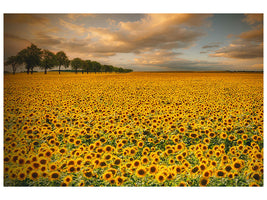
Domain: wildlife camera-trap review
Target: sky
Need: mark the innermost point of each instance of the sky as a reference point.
(144, 42)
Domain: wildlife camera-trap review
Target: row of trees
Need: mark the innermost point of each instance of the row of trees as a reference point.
(33, 56)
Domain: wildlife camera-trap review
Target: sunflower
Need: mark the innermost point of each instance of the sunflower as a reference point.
(117, 161)
(195, 170)
(237, 165)
(136, 163)
(71, 169)
(152, 169)
(52, 167)
(71, 162)
(140, 144)
(22, 175)
(244, 137)
(107, 176)
(79, 161)
(64, 184)
(254, 138)
(203, 181)
(207, 173)
(43, 161)
(231, 137)
(253, 184)
(88, 173)
(179, 157)
(223, 135)
(91, 147)
(161, 177)
(220, 173)
(34, 175)
(54, 176)
(119, 180)
(144, 160)
(68, 179)
(48, 154)
(108, 148)
(212, 135)
(214, 163)
(35, 165)
(179, 147)
(62, 150)
(256, 176)
(170, 176)
(202, 167)
(141, 172)
(81, 184)
(182, 184)
(107, 157)
(21, 161)
(206, 140)
(228, 168)
(171, 161)
(182, 129)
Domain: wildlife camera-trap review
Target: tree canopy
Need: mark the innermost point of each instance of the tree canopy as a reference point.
(48, 60)
(14, 61)
(62, 60)
(31, 57)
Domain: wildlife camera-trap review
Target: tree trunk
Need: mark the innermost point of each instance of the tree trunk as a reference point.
(82, 71)
(45, 71)
(28, 70)
(76, 71)
(32, 70)
(59, 69)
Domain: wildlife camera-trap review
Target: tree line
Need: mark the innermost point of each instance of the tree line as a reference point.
(33, 56)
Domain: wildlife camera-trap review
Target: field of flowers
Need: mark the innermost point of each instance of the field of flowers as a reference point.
(135, 129)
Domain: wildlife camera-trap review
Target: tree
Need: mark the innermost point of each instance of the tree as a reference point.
(31, 57)
(48, 61)
(96, 66)
(76, 64)
(108, 68)
(62, 60)
(14, 61)
(87, 66)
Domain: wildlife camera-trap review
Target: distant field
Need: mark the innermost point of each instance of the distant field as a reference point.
(134, 129)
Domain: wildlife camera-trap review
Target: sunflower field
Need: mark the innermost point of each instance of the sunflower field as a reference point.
(134, 129)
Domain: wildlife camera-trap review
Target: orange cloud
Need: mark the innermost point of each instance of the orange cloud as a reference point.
(160, 31)
(247, 45)
(25, 18)
(253, 35)
(253, 18)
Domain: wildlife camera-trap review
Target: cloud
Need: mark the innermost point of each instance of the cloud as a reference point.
(168, 60)
(46, 40)
(253, 18)
(240, 50)
(210, 46)
(25, 19)
(247, 45)
(156, 57)
(255, 35)
(13, 44)
(160, 31)
(73, 27)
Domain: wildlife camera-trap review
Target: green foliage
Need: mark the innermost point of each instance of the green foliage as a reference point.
(76, 64)
(31, 57)
(48, 60)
